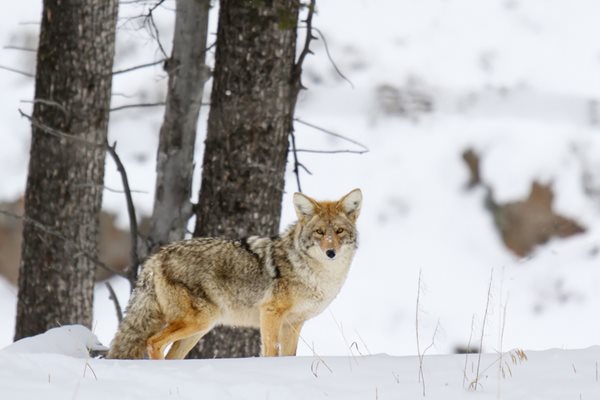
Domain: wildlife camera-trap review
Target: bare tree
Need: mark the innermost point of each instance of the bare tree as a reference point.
(175, 159)
(66, 167)
(256, 82)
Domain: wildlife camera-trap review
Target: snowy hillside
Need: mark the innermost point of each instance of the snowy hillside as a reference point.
(43, 367)
(517, 81)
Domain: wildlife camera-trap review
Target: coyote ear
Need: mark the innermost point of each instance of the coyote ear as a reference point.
(304, 205)
(351, 204)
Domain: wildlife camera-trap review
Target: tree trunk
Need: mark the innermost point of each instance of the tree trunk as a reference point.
(66, 166)
(247, 140)
(175, 158)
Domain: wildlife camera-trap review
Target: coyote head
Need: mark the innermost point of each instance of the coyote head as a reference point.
(327, 228)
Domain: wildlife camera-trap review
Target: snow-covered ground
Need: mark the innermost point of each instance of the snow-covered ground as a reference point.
(518, 81)
(55, 365)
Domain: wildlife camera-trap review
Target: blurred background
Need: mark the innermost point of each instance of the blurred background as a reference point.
(481, 184)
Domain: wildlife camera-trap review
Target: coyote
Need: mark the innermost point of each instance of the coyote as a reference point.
(275, 284)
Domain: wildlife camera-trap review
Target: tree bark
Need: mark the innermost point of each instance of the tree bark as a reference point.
(250, 118)
(175, 158)
(66, 167)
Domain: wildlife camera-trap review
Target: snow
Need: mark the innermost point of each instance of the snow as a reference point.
(73, 340)
(516, 81)
(8, 306)
(66, 372)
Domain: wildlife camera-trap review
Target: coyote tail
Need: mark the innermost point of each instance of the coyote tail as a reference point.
(143, 318)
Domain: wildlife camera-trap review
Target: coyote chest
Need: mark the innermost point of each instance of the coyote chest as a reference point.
(318, 285)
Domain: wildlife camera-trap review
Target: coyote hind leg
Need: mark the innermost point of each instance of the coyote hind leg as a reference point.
(178, 330)
(182, 347)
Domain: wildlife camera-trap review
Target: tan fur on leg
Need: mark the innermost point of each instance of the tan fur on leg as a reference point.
(288, 337)
(176, 331)
(182, 347)
(271, 319)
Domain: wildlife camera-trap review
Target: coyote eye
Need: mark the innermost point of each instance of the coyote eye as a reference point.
(339, 230)
(319, 231)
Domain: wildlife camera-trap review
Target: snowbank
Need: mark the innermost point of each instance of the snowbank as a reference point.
(25, 373)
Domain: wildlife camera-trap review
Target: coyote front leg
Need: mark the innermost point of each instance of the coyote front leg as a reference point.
(271, 319)
(288, 336)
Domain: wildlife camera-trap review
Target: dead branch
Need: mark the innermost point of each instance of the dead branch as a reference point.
(297, 70)
(295, 150)
(297, 79)
(109, 189)
(337, 70)
(143, 105)
(56, 132)
(362, 342)
(297, 85)
(113, 296)
(154, 32)
(331, 151)
(155, 6)
(27, 49)
(473, 386)
(27, 74)
(364, 149)
(435, 332)
(88, 366)
(121, 94)
(296, 162)
(139, 105)
(419, 354)
(122, 71)
(318, 360)
(334, 134)
(465, 378)
(348, 344)
(48, 103)
(149, 23)
(133, 228)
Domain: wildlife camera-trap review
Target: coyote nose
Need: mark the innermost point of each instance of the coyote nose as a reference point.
(330, 253)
